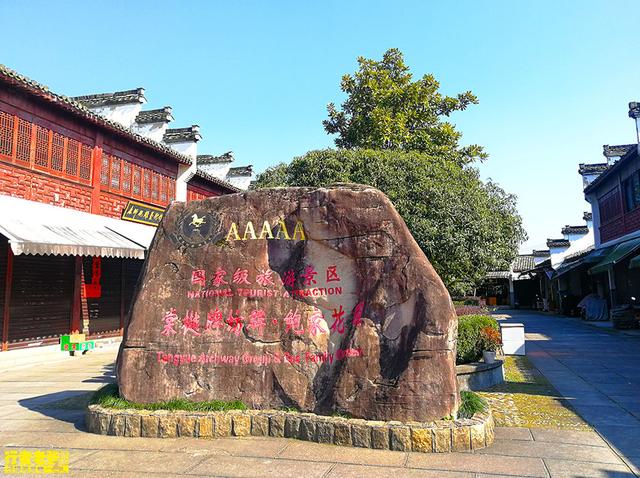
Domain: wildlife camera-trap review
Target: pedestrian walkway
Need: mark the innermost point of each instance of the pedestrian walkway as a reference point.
(597, 370)
(41, 408)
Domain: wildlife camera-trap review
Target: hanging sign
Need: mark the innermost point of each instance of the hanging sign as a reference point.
(142, 213)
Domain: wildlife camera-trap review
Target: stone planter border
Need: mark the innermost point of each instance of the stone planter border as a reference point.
(480, 375)
(433, 437)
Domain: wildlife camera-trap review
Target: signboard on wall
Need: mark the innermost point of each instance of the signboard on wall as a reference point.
(142, 213)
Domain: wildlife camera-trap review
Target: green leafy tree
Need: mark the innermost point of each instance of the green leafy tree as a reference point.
(392, 135)
(386, 109)
(464, 226)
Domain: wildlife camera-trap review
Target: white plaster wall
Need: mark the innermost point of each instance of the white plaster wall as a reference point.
(124, 114)
(188, 148)
(241, 182)
(154, 131)
(588, 179)
(185, 173)
(219, 170)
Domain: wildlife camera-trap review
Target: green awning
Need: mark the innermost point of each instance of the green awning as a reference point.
(617, 254)
(635, 262)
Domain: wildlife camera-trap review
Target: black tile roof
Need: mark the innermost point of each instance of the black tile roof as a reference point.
(182, 135)
(616, 150)
(162, 115)
(541, 253)
(587, 216)
(578, 255)
(241, 171)
(629, 155)
(595, 168)
(558, 243)
(575, 230)
(78, 109)
(498, 275)
(115, 98)
(210, 177)
(523, 262)
(211, 159)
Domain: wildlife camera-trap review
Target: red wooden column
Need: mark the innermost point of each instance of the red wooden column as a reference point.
(77, 299)
(7, 299)
(96, 173)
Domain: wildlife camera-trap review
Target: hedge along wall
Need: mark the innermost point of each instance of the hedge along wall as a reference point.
(469, 347)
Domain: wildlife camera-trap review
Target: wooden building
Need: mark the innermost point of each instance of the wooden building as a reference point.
(83, 182)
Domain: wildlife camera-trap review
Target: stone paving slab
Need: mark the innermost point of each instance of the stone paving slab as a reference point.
(233, 467)
(572, 469)
(306, 451)
(562, 451)
(568, 437)
(513, 433)
(468, 462)
(351, 471)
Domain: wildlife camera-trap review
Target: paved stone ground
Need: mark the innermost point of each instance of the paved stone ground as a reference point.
(38, 411)
(597, 371)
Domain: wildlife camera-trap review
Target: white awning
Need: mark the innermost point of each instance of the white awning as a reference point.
(37, 228)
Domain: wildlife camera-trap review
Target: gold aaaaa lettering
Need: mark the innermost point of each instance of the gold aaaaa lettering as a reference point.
(267, 232)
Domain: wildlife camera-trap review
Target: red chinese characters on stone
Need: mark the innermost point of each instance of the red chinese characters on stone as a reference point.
(170, 318)
(314, 323)
(191, 323)
(198, 277)
(332, 274)
(265, 278)
(289, 278)
(338, 322)
(292, 322)
(215, 321)
(357, 314)
(257, 320)
(218, 279)
(309, 275)
(241, 276)
(235, 322)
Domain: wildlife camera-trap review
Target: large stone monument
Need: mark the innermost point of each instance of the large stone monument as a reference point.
(318, 299)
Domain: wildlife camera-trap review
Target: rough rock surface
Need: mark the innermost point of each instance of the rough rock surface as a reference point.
(372, 333)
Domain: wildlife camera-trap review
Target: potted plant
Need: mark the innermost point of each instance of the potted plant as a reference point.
(491, 341)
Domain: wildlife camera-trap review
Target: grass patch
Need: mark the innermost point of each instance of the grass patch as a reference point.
(527, 399)
(471, 403)
(109, 397)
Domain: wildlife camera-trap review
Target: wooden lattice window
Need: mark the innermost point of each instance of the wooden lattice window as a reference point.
(42, 147)
(30, 145)
(86, 161)
(6, 134)
(115, 173)
(137, 181)
(164, 186)
(23, 143)
(146, 183)
(73, 153)
(104, 171)
(126, 177)
(155, 186)
(57, 152)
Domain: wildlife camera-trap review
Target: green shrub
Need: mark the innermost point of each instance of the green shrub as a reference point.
(469, 347)
(109, 397)
(470, 403)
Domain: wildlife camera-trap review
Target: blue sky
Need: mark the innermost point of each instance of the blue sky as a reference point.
(553, 78)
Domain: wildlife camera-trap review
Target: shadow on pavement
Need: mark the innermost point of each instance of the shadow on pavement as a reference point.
(69, 405)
